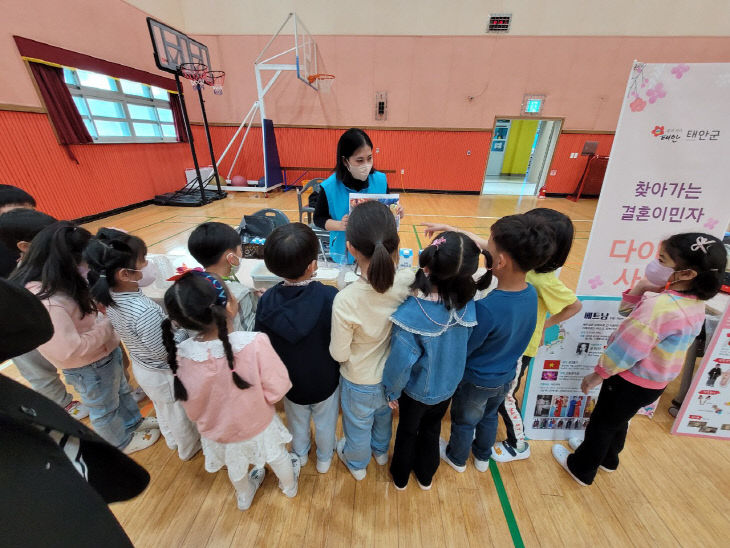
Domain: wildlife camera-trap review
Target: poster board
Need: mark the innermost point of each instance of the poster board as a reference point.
(667, 173)
(392, 201)
(554, 407)
(705, 411)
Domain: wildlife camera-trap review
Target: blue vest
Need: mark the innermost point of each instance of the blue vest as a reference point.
(338, 199)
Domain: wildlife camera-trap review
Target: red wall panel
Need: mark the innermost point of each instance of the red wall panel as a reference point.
(106, 176)
(116, 175)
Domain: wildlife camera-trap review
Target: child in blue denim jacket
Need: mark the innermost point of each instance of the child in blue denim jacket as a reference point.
(428, 352)
(506, 319)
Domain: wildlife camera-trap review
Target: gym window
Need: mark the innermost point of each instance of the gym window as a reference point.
(121, 111)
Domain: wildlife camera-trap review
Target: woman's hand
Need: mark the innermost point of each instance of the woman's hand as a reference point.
(343, 222)
(435, 228)
(590, 382)
(400, 211)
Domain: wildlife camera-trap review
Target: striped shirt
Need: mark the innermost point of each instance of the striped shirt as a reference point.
(649, 347)
(137, 320)
(71, 447)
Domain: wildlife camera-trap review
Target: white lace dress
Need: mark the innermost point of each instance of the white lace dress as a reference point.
(265, 447)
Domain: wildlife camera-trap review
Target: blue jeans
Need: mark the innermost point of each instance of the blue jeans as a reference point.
(105, 391)
(366, 421)
(474, 407)
(324, 414)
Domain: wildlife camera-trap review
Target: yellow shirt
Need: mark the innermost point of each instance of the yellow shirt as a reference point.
(361, 327)
(552, 296)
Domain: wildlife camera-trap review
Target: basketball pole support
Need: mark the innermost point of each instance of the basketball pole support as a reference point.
(189, 132)
(210, 143)
(260, 105)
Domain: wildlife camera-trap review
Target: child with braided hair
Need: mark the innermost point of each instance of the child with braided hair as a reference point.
(228, 384)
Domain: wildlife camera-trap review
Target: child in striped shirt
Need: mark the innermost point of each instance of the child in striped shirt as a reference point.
(648, 349)
(117, 270)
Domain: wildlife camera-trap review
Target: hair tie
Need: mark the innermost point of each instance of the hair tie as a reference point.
(700, 243)
(102, 275)
(221, 299)
(438, 241)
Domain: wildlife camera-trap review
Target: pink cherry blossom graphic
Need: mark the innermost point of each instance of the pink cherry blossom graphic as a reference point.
(711, 223)
(595, 282)
(657, 92)
(679, 70)
(637, 105)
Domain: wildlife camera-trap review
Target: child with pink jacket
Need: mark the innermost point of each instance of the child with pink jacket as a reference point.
(228, 384)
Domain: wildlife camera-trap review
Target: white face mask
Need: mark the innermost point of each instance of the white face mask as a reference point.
(234, 267)
(149, 275)
(360, 172)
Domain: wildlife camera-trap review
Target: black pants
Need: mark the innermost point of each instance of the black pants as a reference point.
(618, 401)
(508, 420)
(417, 440)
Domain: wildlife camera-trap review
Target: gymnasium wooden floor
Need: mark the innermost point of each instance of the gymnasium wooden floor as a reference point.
(669, 491)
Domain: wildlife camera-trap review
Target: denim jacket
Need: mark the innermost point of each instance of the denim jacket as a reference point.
(427, 350)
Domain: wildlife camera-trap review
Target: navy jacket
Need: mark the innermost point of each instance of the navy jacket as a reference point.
(298, 321)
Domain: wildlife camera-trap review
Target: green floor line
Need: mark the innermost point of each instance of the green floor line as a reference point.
(418, 238)
(514, 530)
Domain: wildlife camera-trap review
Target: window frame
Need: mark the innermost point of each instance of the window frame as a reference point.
(124, 99)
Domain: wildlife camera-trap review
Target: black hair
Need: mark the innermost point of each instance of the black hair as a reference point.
(451, 261)
(526, 239)
(53, 259)
(21, 225)
(192, 303)
(209, 241)
(563, 231)
(108, 253)
(349, 142)
(12, 195)
(702, 253)
(290, 249)
(371, 229)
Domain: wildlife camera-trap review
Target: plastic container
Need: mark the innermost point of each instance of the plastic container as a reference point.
(405, 258)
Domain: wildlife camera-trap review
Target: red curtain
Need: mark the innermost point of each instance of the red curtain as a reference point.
(177, 116)
(61, 108)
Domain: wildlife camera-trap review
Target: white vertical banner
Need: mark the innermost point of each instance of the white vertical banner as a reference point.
(667, 174)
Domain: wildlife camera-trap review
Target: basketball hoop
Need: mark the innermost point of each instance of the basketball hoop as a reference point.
(196, 73)
(324, 81)
(215, 78)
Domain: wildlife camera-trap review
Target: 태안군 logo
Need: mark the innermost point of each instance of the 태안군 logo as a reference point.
(657, 131)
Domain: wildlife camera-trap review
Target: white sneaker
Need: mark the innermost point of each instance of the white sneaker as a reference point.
(504, 452)
(141, 439)
(574, 443)
(297, 465)
(424, 487)
(399, 488)
(481, 465)
(359, 475)
(256, 476)
(382, 460)
(138, 394)
(323, 466)
(442, 452)
(77, 410)
(561, 455)
(148, 423)
(303, 460)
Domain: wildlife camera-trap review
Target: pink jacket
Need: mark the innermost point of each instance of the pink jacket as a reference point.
(222, 411)
(77, 341)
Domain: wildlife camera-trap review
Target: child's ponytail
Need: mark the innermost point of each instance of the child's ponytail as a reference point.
(486, 279)
(372, 231)
(168, 339)
(221, 319)
(381, 271)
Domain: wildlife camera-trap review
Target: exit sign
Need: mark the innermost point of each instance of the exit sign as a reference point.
(532, 103)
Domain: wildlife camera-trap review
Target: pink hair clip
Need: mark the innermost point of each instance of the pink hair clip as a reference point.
(438, 241)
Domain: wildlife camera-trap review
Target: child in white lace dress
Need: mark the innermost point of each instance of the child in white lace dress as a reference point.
(228, 385)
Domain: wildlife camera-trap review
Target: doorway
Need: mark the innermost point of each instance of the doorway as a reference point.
(520, 155)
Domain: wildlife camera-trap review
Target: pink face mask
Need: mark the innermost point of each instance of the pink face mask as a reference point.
(657, 273)
(149, 275)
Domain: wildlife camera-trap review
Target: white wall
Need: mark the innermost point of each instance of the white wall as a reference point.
(452, 17)
(169, 11)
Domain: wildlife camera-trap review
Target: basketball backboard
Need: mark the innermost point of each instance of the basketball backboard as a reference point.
(173, 48)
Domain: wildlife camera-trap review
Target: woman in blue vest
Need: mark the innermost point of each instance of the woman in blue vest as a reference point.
(354, 173)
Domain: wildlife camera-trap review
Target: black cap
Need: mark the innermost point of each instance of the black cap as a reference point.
(24, 321)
